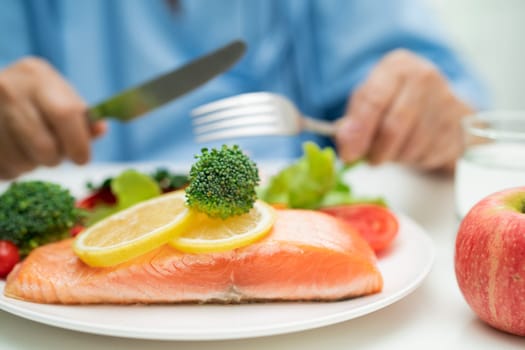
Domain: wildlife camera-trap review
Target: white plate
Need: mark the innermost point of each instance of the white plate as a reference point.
(404, 267)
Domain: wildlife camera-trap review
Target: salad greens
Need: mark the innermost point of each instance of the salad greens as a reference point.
(169, 181)
(132, 187)
(315, 180)
(129, 187)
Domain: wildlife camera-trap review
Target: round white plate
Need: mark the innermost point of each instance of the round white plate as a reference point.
(404, 267)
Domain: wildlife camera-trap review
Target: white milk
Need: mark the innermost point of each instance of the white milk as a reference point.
(485, 169)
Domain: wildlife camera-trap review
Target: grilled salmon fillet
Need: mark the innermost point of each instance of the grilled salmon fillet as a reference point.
(307, 255)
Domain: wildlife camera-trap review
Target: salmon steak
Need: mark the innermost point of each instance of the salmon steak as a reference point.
(307, 255)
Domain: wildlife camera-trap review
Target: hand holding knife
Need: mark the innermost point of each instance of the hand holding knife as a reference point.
(43, 120)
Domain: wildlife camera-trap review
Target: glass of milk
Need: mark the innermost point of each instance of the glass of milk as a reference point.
(493, 159)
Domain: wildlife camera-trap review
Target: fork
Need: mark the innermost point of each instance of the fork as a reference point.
(253, 114)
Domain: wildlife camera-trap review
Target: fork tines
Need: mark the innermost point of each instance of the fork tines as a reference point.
(240, 116)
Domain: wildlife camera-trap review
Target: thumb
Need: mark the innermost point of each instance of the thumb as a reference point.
(351, 139)
(366, 109)
(98, 128)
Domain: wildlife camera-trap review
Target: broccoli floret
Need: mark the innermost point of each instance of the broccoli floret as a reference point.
(33, 213)
(222, 182)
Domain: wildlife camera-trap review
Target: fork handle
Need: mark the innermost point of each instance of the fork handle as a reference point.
(321, 127)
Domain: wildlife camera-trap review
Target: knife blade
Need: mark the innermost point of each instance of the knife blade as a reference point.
(143, 98)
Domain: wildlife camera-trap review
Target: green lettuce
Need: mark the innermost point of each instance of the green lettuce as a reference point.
(129, 187)
(132, 187)
(315, 180)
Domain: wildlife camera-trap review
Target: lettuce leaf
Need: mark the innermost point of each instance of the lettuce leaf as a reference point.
(132, 187)
(129, 187)
(313, 181)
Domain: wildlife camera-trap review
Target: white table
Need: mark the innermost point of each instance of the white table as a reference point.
(435, 316)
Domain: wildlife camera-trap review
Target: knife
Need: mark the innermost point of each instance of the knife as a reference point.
(141, 99)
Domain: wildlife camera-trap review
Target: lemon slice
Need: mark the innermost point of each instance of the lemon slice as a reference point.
(133, 231)
(207, 235)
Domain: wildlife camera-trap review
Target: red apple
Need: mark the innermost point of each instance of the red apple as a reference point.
(490, 260)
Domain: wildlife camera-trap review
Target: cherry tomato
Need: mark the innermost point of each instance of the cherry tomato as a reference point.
(75, 230)
(101, 196)
(376, 224)
(9, 256)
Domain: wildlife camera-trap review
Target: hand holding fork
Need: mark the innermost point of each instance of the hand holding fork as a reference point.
(254, 114)
(405, 111)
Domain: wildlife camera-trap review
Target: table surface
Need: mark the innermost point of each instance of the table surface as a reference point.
(433, 316)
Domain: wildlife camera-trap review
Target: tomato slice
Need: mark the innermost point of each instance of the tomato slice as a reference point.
(376, 224)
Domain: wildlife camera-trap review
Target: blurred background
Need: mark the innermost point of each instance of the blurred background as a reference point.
(487, 32)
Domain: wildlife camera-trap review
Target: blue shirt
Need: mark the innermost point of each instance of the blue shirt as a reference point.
(313, 51)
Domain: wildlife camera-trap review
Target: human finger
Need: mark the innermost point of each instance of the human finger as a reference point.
(448, 145)
(33, 135)
(443, 154)
(398, 123)
(14, 160)
(418, 142)
(65, 113)
(425, 129)
(98, 128)
(365, 110)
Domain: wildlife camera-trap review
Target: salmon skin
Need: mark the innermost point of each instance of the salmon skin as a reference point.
(308, 255)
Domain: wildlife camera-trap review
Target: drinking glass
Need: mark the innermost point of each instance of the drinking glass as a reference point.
(493, 158)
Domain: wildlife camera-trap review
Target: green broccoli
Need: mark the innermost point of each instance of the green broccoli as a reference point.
(222, 182)
(33, 213)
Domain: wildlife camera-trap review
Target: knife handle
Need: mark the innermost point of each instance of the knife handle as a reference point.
(95, 113)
